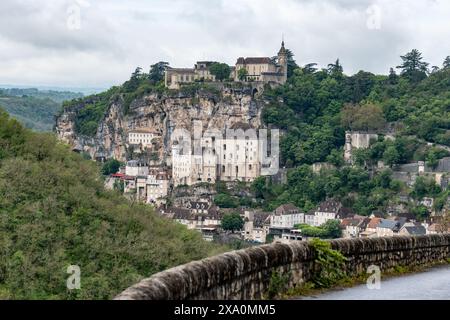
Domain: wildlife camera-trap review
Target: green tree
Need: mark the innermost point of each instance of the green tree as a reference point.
(55, 212)
(157, 70)
(220, 70)
(232, 222)
(446, 63)
(135, 79)
(242, 74)
(421, 212)
(432, 159)
(310, 68)
(335, 69)
(225, 201)
(368, 117)
(393, 77)
(391, 156)
(111, 166)
(291, 63)
(259, 187)
(413, 67)
(332, 229)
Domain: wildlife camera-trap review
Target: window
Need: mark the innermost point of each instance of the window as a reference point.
(249, 167)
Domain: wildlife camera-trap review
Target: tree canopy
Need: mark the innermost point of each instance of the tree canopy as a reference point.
(413, 66)
(220, 70)
(232, 222)
(157, 70)
(55, 212)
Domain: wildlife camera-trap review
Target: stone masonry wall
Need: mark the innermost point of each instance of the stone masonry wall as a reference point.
(246, 274)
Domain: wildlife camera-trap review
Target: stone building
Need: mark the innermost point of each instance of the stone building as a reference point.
(264, 69)
(259, 69)
(158, 185)
(135, 168)
(357, 140)
(239, 156)
(142, 137)
(286, 216)
(174, 77)
(230, 158)
(256, 226)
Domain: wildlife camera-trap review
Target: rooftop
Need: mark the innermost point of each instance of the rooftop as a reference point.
(286, 209)
(254, 60)
(329, 206)
(416, 230)
(142, 130)
(389, 224)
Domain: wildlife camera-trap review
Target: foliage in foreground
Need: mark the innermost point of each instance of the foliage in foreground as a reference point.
(55, 212)
(329, 263)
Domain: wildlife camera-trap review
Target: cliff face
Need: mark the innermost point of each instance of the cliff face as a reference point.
(162, 114)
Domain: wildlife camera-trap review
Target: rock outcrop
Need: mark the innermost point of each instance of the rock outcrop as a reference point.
(160, 113)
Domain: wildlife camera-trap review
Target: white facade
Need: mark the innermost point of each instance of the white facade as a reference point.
(157, 187)
(142, 137)
(286, 220)
(322, 217)
(357, 140)
(384, 232)
(135, 168)
(254, 231)
(310, 219)
(228, 159)
(181, 166)
(239, 159)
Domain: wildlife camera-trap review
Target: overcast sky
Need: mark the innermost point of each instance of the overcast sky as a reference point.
(42, 42)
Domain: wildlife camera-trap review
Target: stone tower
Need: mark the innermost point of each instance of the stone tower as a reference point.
(283, 61)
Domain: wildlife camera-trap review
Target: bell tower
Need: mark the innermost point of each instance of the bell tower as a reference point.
(283, 61)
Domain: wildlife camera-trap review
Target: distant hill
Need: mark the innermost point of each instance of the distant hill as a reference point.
(34, 108)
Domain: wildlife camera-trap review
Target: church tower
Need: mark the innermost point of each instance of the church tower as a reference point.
(283, 61)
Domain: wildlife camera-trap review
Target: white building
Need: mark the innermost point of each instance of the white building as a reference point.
(239, 155)
(310, 219)
(256, 226)
(142, 137)
(230, 158)
(136, 168)
(387, 228)
(327, 210)
(158, 183)
(286, 216)
(181, 165)
(357, 140)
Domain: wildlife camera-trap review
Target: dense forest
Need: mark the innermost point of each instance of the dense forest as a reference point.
(55, 212)
(316, 107)
(34, 108)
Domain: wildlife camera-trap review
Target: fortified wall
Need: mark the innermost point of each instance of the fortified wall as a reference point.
(246, 274)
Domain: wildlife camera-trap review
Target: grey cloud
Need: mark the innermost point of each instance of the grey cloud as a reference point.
(116, 36)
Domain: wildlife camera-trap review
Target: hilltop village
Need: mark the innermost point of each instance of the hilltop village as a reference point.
(195, 208)
(354, 172)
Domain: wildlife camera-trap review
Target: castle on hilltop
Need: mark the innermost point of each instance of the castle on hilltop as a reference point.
(257, 69)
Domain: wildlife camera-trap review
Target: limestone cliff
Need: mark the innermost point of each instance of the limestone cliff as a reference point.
(161, 113)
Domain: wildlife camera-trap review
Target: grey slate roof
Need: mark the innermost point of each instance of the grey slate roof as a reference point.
(389, 224)
(416, 230)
